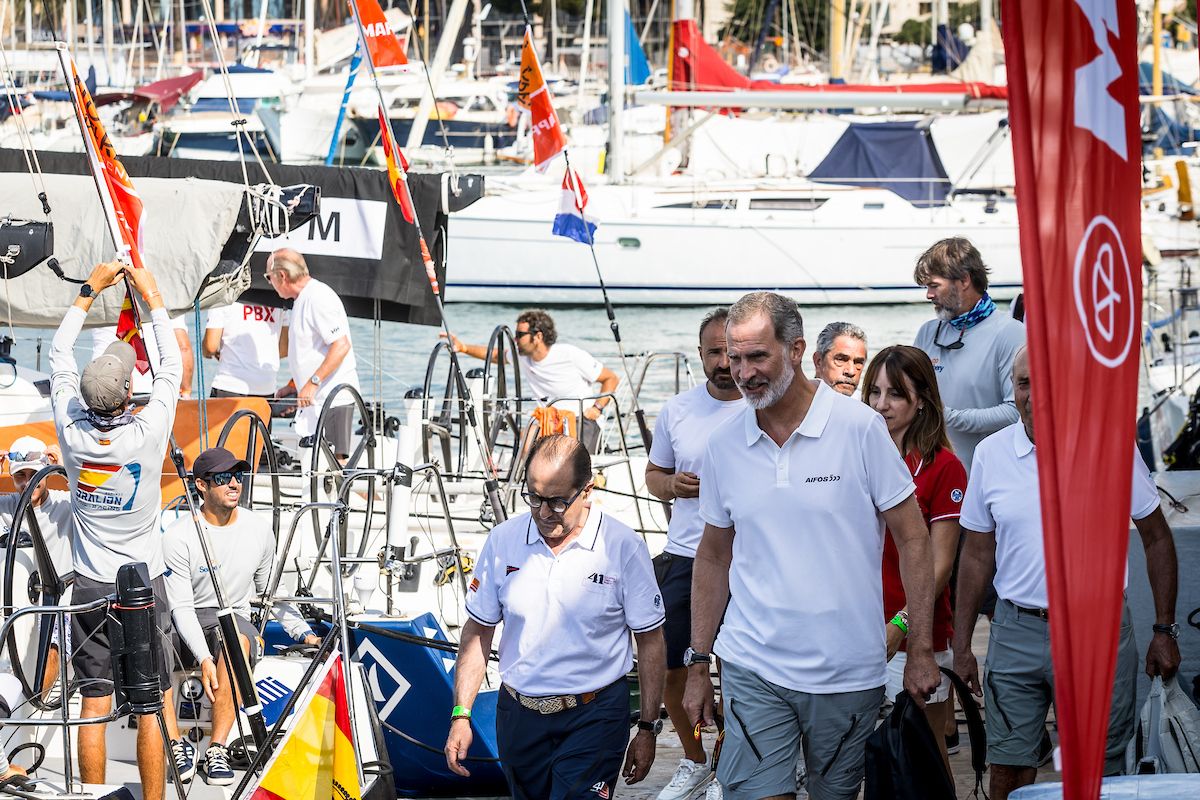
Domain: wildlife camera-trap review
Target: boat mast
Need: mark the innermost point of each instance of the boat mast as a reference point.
(616, 90)
(1156, 77)
(836, 37)
(441, 60)
(310, 29)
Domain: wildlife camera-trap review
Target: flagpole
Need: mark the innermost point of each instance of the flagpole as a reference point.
(491, 483)
(355, 63)
(236, 658)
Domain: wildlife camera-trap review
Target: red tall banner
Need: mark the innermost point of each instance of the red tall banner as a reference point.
(121, 200)
(1073, 106)
(384, 46)
(397, 169)
(533, 94)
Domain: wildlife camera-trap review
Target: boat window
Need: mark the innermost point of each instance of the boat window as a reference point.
(786, 203)
(728, 202)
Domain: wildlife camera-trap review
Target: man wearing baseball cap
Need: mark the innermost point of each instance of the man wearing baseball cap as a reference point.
(242, 548)
(114, 463)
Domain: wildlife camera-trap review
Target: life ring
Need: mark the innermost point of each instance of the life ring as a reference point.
(769, 63)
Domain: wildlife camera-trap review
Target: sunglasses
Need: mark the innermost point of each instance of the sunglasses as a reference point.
(223, 478)
(519, 334)
(32, 455)
(557, 504)
(957, 344)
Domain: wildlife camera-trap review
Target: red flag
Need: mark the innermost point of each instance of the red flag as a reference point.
(397, 169)
(548, 137)
(383, 45)
(1073, 104)
(126, 205)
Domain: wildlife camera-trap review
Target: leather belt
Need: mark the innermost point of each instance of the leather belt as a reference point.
(1040, 613)
(552, 704)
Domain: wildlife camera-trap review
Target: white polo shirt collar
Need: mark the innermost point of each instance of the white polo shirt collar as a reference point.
(1021, 444)
(586, 539)
(813, 424)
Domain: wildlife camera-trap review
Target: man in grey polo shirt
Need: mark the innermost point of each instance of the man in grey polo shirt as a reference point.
(795, 495)
(1002, 519)
(840, 355)
(971, 347)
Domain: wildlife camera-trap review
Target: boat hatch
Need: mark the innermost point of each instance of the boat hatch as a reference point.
(786, 203)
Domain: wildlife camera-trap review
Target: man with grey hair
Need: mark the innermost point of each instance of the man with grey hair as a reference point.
(319, 350)
(805, 479)
(840, 355)
(972, 348)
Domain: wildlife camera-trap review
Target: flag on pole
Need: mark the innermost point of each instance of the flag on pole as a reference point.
(397, 169)
(532, 93)
(572, 220)
(384, 47)
(121, 202)
(1073, 105)
(316, 758)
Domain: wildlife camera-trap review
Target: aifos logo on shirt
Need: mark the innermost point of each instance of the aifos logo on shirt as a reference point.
(823, 479)
(108, 487)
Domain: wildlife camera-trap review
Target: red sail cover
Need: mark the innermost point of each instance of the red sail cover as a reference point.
(384, 46)
(1073, 100)
(397, 169)
(532, 93)
(126, 204)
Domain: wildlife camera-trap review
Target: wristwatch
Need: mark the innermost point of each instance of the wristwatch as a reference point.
(86, 290)
(654, 728)
(315, 380)
(1171, 630)
(690, 657)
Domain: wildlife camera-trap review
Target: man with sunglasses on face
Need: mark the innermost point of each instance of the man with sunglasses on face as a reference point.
(570, 584)
(550, 370)
(972, 348)
(242, 548)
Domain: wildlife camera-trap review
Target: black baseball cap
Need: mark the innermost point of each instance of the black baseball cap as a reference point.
(217, 459)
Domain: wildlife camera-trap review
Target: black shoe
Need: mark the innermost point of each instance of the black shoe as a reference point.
(952, 744)
(1045, 749)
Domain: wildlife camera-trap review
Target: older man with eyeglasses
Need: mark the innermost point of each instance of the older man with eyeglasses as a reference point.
(242, 548)
(570, 584)
(972, 348)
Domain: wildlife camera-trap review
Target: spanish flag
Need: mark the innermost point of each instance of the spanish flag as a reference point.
(397, 169)
(123, 202)
(315, 760)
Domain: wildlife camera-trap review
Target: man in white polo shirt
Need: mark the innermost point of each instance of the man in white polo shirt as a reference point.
(1002, 520)
(673, 473)
(795, 496)
(247, 339)
(569, 583)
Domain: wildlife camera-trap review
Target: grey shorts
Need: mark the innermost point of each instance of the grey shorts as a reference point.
(212, 634)
(1018, 688)
(766, 725)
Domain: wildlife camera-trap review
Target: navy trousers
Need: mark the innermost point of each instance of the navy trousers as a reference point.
(574, 754)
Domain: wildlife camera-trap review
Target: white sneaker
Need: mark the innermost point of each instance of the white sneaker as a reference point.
(713, 792)
(687, 778)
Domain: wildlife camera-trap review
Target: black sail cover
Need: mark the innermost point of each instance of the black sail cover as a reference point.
(360, 244)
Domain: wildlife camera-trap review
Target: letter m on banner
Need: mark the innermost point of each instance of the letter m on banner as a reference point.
(1073, 100)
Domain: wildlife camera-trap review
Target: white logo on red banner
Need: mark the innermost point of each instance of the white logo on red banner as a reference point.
(1096, 110)
(1104, 292)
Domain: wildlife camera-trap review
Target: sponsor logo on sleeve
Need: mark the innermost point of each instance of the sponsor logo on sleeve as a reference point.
(510, 569)
(107, 487)
(956, 495)
(474, 587)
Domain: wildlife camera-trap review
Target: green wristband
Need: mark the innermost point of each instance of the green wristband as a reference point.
(460, 712)
(899, 622)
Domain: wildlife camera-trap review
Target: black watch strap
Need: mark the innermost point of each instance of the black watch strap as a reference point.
(651, 727)
(1171, 630)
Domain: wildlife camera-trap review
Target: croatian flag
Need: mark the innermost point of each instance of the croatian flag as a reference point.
(571, 220)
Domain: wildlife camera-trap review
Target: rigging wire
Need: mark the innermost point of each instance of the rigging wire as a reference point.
(447, 148)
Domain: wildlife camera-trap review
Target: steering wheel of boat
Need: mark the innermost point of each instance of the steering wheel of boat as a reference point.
(44, 587)
(258, 428)
(443, 412)
(503, 417)
(366, 446)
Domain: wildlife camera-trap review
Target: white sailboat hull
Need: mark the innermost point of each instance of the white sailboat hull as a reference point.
(821, 245)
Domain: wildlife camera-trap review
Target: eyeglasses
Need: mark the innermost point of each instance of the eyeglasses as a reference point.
(270, 275)
(32, 455)
(519, 334)
(557, 504)
(223, 478)
(957, 344)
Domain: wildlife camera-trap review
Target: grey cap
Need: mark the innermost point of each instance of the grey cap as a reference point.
(104, 384)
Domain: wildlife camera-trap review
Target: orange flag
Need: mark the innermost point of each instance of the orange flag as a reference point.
(548, 137)
(126, 205)
(384, 46)
(397, 169)
(316, 757)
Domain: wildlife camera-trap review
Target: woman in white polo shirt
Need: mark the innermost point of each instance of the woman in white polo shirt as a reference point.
(570, 584)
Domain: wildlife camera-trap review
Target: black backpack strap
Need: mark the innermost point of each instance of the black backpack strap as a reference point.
(976, 731)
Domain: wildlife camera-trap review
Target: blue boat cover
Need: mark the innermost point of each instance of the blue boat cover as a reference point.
(899, 156)
(245, 105)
